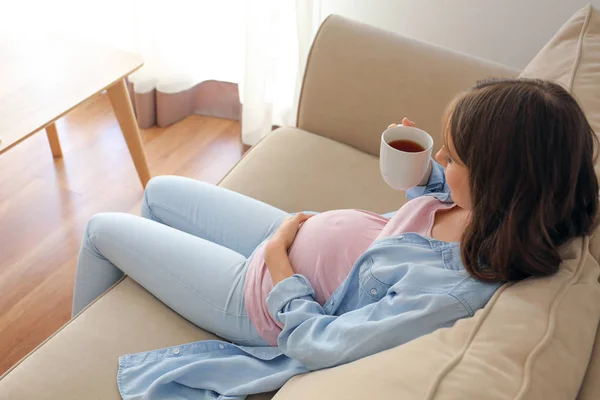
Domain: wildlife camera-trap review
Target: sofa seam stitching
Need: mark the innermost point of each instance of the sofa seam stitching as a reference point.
(580, 40)
(551, 327)
(209, 238)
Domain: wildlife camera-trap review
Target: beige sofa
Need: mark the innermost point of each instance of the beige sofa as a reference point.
(532, 341)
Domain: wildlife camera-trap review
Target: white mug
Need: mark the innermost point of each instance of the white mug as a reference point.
(402, 169)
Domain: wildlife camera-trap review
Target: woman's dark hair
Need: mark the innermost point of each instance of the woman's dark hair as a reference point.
(529, 151)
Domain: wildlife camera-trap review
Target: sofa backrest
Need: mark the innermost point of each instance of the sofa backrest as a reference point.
(359, 79)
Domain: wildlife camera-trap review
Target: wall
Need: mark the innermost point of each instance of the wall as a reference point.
(507, 31)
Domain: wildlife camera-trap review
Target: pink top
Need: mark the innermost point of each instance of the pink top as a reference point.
(325, 250)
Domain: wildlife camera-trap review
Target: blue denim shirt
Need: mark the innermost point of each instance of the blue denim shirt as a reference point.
(402, 287)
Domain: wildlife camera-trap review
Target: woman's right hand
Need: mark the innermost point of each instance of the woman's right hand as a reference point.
(405, 122)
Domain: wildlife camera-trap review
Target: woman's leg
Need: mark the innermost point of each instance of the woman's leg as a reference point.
(200, 280)
(221, 216)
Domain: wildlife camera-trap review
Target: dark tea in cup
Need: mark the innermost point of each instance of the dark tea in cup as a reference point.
(406, 145)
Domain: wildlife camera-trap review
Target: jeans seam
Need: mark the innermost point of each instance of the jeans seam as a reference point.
(208, 236)
(174, 279)
(147, 204)
(92, 245)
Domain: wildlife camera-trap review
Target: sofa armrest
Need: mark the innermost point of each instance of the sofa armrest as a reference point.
(359, 79)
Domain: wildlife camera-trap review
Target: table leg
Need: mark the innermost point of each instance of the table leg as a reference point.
(52, 134)
(121, 104)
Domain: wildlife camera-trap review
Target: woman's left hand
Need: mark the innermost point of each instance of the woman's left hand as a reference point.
(276, 256)
(286, 233)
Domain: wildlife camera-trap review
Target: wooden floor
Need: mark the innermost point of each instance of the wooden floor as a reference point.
(45, 203)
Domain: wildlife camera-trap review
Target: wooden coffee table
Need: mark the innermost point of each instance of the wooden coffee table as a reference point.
(42, 79)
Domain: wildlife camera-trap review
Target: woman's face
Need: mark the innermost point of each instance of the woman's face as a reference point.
(457, 175)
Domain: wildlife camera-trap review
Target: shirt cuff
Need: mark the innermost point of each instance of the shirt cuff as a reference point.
(435, 184)
(294, 287)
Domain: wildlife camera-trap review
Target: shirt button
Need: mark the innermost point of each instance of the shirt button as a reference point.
(401, 237)
(221, 346)
(175, 351)
(373, 291)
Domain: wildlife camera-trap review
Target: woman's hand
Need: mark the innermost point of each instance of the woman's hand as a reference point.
(276, 256)
(405, 122)
(286, 233)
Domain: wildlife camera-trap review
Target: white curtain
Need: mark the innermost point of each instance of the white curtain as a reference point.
(278, 38)
(260, 44)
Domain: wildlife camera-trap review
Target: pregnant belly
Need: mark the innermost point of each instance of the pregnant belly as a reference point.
(327, 246)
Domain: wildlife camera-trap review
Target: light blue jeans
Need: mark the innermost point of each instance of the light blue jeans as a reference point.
(189, 250)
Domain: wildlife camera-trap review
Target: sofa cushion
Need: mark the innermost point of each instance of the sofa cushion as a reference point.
(299, 171)
(350, 93)
(80, 361)
(572, 58)
(590, 388)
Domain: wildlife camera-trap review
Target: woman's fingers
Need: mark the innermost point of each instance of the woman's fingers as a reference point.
(405, 122)
(408, 122)
(300, 217)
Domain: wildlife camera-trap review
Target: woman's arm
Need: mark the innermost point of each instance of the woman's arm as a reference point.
(276, 256)
(434, 180)
(435, 184)
(320, 341)
(277, 261)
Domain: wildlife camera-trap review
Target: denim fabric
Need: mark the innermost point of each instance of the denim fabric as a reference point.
(402, 287)
(189, 251)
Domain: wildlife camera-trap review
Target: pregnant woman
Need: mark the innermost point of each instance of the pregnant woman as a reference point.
(514, 181)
